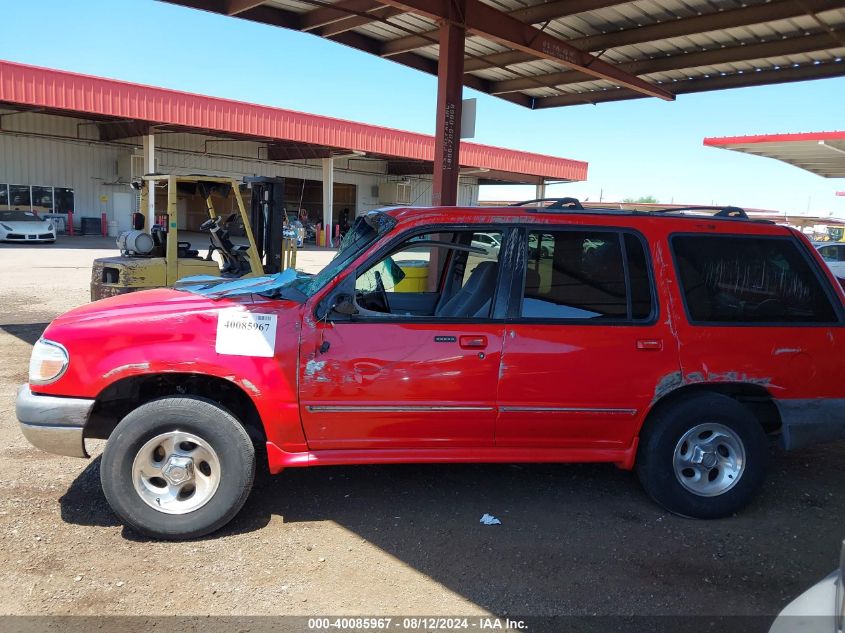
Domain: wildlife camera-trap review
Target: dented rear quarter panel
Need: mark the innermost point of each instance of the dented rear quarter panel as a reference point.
(790, 362)
(167, 331)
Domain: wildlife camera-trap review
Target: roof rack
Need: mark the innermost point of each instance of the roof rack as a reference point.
(546, 205)
(556, 204)
(721, 212)
(573, 204)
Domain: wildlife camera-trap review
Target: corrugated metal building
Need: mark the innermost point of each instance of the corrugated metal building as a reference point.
(73, 142)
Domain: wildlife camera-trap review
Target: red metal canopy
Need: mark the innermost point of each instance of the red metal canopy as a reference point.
(128, 109)
(551, 53)
(822, 153)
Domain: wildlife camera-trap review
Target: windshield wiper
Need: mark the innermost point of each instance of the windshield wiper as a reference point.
(290, 292)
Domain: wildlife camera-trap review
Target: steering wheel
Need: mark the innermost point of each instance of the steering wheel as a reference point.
(382, 291)
(206, 226)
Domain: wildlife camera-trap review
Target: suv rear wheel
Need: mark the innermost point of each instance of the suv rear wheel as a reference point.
(178, 468)
(704, 457)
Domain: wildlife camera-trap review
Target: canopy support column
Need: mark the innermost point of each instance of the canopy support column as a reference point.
(328, 197)
(450, 77)
(149, 148)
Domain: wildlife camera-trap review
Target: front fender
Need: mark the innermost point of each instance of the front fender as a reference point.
(105, 351)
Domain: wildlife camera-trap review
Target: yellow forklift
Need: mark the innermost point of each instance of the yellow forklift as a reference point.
(156, 258)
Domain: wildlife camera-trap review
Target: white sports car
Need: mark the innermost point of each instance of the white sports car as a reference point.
(25, 226)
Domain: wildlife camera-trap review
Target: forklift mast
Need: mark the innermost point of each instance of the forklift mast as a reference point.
(267, 216)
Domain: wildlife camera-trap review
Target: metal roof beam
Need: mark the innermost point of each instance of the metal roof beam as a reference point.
(338, 11)
(354, 21)
(756, 14)
(703, 84)
(257, 13)
(776, 48)
(486, 21)
(529, 15)
(233, 7)
(266, 14)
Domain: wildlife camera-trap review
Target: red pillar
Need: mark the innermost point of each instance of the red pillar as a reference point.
(450, 80)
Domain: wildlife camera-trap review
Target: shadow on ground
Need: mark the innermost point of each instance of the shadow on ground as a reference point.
(27, 332)
(574, 538)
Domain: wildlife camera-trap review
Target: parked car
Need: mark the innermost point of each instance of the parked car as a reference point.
(489, 242)
(673, 344)
(820, 609)
(540, 245)
(25, 226)
(833, 253)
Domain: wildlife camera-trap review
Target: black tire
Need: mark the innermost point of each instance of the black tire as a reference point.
(662, 435)
(199, 417)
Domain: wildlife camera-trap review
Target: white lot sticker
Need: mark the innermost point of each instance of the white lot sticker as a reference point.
(241, 333)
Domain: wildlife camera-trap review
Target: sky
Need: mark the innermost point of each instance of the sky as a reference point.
(645, 147)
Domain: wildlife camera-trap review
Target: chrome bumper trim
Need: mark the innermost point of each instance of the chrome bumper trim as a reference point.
(60, 440)
(52, 423)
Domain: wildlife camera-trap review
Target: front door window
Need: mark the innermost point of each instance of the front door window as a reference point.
(449, 275)
(414, 360)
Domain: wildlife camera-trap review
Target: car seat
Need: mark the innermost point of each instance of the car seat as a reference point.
(469, 301)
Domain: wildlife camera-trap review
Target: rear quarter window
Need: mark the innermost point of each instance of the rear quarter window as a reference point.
(743, 279)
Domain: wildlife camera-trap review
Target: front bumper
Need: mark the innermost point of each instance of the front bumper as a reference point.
(19, 238)
(52, 423)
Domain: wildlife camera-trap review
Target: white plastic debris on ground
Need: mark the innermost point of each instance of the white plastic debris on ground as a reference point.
(489, 519)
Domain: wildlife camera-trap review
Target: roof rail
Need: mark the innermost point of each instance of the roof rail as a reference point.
(557, 204)
(721, 212)
(563, 205)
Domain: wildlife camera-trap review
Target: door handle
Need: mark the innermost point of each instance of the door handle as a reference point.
(473, 342)
(650, 344)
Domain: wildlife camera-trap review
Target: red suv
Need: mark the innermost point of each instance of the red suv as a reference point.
(674, 343)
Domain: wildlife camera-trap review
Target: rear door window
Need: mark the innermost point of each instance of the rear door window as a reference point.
(743, 279)
(586, 275)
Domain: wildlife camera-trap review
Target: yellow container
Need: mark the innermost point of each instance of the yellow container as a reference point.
(416, 276)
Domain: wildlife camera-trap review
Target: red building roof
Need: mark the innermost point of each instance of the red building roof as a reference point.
(62, 92)
(822, 153)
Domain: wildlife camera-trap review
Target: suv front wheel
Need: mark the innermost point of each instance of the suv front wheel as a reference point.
(178, 468)
(703, 457)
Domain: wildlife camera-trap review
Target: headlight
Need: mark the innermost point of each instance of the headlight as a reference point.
(7, 227)
(50, 226)
(48, 362)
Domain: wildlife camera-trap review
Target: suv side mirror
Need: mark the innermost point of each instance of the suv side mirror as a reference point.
(343, 304)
